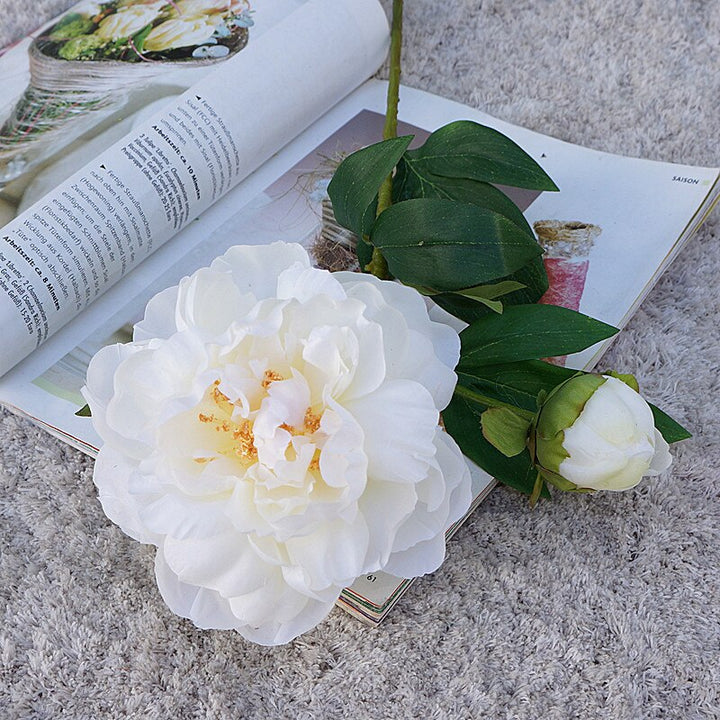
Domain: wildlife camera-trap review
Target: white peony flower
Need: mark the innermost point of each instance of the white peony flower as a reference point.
(273, 430)
(598, 433)
(127, 22)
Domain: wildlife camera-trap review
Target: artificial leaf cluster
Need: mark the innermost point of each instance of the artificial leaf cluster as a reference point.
(452, 234)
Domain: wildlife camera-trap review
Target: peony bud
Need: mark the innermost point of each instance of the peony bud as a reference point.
(597, 432)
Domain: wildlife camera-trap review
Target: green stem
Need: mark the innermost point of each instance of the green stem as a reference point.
(391, 113)
(378, 265)
(481, 399)
(537, 489)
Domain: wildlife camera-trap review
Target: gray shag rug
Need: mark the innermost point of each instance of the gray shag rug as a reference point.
(587, 607)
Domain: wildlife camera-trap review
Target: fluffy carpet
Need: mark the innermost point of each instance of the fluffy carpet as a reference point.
(586, 607)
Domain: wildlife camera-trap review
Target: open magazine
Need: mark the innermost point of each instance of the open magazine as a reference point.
(154, 155)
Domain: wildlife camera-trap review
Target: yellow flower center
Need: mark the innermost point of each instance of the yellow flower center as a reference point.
(237, 436)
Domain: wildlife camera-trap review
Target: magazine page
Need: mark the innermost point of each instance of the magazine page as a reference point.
(602, 255)
(266, 70)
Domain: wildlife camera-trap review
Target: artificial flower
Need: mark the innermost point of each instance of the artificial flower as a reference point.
(597, 432)
(273, 430)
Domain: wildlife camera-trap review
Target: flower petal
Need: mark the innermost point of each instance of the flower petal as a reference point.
(99, 391)
(183, 517)
(256, 269)
(333, 554)
(662, 459)
(226, 563)
(419, 546)
(111, 476)
(209, 301)
(206, 608)
(159, 318)
(435, 367)
(399, 421)
(303, 283)
(278, 614)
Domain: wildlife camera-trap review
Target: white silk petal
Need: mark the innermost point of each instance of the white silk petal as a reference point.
(209, 301)
(303, 283)
(273, 602)
(150, 379)
(427, 555)
(421, 362)
(99, 391)
(159, 318)
(422, 558)
(438, 315)
(183, 517)
(612, 444)
(409, 303)
(385, 506)
(371, 369)
(417, 547)
(225, 563)
(111, 477)
(399, 421)
(662, 459)
(256, 269)
(273, 632)
(342, 461)
(206, 608)
(333, 554)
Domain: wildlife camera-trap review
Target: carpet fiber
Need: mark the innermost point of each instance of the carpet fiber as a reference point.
(586, 607)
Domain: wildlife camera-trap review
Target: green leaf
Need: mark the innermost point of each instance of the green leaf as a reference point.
(561, 483)
(364, 251)
(532, 276)
(461, 307)
(462, 421)
(671, 430)
(450, 246)
(413, 181)
(491, 292)
(465, 149)
(355, 184)
(517, 384)
(529, 332)
(505, 430)
(140, 37)
(84, 411)
(487, 294)
(495, 305)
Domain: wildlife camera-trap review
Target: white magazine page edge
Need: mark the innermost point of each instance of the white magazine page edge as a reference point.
(348, 55)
